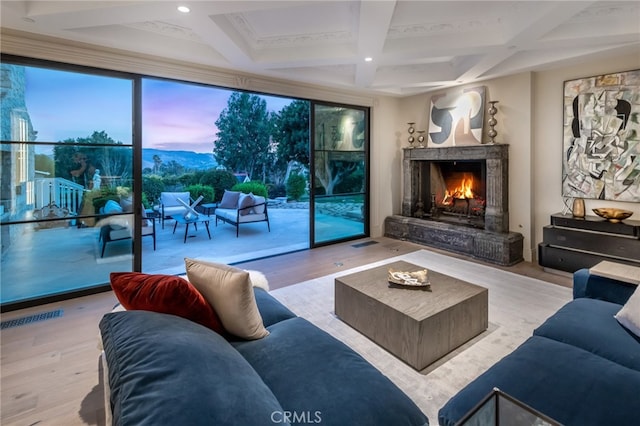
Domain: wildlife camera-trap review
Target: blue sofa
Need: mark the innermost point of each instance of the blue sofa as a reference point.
(166, 370)
(580, 367)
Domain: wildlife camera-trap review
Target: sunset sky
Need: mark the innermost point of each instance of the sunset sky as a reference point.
(176, 116)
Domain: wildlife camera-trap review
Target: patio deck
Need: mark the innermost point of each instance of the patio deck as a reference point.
(51, 261)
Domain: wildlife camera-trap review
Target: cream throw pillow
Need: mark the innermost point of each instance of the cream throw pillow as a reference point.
(629, 315)
(230, 292)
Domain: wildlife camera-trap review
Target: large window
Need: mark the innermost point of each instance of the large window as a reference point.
(66, 151)
(86, 155)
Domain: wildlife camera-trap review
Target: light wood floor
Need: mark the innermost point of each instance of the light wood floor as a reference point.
(49, 369)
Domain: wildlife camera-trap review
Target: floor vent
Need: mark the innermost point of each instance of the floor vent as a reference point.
(366, 243)
(31, 319)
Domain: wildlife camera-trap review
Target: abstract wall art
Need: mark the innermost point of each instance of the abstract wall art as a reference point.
(456, 118)
(601, 137)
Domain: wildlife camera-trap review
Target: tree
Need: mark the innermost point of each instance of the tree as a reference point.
(291, 137)
(77, 160)
(243, 135)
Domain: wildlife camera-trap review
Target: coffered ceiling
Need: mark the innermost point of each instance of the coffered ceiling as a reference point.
(415, 46)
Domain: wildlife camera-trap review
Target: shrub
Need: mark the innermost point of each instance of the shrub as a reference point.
(219, 180)
(296, 185)
(152, 186)
(205, 190)
(276, 190)
(258, 188)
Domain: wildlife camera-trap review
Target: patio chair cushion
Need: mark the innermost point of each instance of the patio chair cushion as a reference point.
(230, 292)
(112, 206)
(259, 204)
(167, 294)
(229, 199)
(244, 201)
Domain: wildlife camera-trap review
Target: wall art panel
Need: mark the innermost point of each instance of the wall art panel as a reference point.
(601, 137)
(456, 118)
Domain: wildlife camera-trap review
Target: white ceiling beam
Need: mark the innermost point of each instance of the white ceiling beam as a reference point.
(550, 16)
(375, 18)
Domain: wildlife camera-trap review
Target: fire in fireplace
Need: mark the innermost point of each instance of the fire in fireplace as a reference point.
(458, 191)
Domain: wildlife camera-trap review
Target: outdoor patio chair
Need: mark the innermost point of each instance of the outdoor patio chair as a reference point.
(171, 206)
(117, 228)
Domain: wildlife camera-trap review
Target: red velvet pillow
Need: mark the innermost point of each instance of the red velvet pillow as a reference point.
(167, 294)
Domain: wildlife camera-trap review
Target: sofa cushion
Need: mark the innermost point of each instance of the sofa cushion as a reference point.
(566, 383)
(629, 315)
(230, 292)
(165, 370)
(271, 310)
(590, 324)
(309, 371)
(229, 200)
(166, 294)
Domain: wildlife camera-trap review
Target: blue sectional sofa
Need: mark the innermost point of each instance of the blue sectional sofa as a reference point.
(580, 367)
(165, 370)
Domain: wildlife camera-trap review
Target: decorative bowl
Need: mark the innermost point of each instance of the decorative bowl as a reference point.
(613, 215)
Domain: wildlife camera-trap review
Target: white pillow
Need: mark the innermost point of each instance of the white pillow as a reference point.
(629, 315)
(230, 293)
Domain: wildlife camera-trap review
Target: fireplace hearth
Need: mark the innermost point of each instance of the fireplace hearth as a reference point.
(456, 198)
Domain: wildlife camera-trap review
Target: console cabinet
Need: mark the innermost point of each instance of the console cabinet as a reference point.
(570, 243)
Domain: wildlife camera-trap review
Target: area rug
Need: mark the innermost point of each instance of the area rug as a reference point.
(517, 305)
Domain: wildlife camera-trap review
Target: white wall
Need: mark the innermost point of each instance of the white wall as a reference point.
(547, 142)
(514, 128)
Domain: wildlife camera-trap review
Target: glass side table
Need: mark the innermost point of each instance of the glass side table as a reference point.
(501, 409)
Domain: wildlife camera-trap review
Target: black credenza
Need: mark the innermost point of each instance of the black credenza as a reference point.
(570, 243)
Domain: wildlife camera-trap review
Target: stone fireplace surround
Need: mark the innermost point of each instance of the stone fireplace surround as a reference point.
(494, 243)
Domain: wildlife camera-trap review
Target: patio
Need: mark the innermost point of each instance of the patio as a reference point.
(50, 261)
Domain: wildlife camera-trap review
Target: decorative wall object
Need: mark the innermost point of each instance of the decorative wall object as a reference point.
(492, 133)
(456, 118)
(411, 130)
(601, 138)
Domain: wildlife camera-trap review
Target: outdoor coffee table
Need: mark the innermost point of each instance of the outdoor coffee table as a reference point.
(417, 326)
(192, 221)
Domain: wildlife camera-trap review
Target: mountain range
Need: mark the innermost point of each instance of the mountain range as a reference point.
(188, 159)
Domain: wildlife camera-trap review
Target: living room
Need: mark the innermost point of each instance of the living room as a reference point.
(530, 120)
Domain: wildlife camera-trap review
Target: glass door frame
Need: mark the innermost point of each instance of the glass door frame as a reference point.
(312, 175)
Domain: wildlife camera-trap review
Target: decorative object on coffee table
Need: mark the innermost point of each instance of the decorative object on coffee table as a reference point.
(413, 280)
(492, 122)
(613, 215)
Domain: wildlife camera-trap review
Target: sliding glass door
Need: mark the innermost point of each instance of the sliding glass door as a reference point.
(67, 156)
(340, 195)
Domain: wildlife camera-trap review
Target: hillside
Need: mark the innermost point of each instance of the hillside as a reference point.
(189, 159)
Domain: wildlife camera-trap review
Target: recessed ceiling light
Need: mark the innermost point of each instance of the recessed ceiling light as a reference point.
(368, 59)
(184, 9)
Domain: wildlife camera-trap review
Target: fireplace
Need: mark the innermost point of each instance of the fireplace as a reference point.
(457, 198)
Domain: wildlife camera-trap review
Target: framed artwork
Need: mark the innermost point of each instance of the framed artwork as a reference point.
(601, 137)
(456, 118)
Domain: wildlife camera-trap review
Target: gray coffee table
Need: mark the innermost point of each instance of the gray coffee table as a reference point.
(417, 326)
(192, 221)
